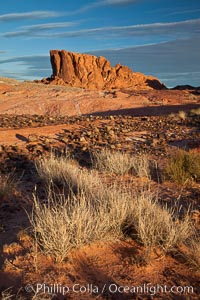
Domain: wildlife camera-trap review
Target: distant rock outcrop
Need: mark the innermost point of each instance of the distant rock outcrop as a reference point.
(91, 72)
(185, 87)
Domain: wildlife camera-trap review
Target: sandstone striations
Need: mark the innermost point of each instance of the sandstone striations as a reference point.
(91, 72)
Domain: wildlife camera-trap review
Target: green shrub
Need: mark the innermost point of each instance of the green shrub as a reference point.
(184, 166)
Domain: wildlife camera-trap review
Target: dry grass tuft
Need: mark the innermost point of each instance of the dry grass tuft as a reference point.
(192, 254)
(182, 115)
(184, 166)
(65, 223)
(121, 163)
(58, 169)
(66, 173)
(93, 211)
(7, 294)
(8, 184)
(195, 112)
(156, 226)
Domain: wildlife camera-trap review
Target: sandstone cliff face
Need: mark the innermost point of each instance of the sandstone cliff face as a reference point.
(91, 72)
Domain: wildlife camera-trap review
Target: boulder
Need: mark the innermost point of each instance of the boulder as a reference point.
(91, 72)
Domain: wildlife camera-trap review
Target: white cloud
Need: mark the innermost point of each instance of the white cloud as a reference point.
(174, 62)
(48, 26)
(180, 12)
(118, 2)
(33, 30)
(101, 3)
(29, 15)
(171, 29)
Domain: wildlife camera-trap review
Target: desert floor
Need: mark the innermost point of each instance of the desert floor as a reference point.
(36, 119)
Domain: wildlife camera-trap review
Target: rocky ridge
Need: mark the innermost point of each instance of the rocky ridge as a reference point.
(91, 72)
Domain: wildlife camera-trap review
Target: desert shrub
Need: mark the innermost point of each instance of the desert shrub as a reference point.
(65, 223)
(7, 184)
(121, 163)
(9, 294)
(195, 112)
(94, 211)
(57, 169)
(183, 166)
(6, 294)
(192, 254)
(182, 115)
(65, 172)
(156, 226)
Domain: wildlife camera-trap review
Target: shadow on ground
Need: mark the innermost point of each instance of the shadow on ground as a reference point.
(149, 110)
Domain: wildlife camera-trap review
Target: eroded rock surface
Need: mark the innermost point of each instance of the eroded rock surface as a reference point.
(91, 72)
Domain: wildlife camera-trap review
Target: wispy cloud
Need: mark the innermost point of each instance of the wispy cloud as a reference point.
(186, 11)
(118, 2)
(171, 29)
(38, 61)
(33, 30)
(173, 62)
(29, 15)
(48, 26)
(34, 66)
(101, 3)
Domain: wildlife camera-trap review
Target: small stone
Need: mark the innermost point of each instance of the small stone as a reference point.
(111, 132)
(84, 148)
(89, 133)
(82, 139)
(33, 138)
(108, 128)
(118, 145)
(112, 146)
(65, 139)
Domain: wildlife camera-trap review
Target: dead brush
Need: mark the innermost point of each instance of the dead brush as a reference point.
(182, 115)
(121, 163)
(195, 112)
(94, 211)
(155, 226)
(8, 183)
(7, 294)
(192, 253)
(58, 169)
(62, 224)
(66, 173)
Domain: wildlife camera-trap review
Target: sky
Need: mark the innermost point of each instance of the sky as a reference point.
(155, 37)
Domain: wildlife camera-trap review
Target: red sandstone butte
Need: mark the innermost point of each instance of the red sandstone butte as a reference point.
(91, 72)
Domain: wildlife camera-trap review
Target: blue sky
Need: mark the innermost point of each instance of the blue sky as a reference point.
(157, 37)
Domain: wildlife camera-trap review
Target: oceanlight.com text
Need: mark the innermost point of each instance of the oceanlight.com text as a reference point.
(112, 288)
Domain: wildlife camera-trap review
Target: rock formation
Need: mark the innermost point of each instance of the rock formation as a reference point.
(91, 72)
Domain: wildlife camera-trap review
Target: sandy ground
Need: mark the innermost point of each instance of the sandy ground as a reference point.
(31, 98)
(115, 265)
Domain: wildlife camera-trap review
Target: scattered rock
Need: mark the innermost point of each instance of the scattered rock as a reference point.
(33, 138)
